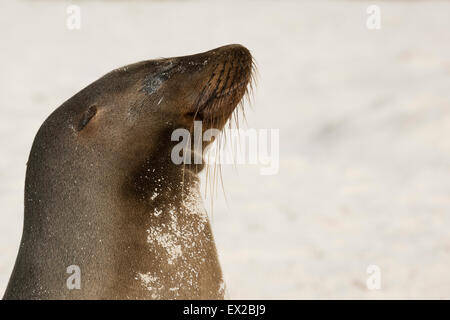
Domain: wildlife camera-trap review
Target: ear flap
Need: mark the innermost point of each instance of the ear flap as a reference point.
(87, 116)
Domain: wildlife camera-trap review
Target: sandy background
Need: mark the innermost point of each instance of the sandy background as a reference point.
(364, 119)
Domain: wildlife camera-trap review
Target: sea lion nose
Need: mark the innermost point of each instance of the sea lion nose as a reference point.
(234, 50)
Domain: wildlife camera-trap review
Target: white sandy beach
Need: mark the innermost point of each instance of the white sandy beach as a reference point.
(364, 120)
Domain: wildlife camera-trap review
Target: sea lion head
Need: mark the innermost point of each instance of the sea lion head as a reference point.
(122, 124)
(132, 111)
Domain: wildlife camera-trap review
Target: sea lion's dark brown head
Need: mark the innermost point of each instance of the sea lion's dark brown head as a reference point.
(135, 108)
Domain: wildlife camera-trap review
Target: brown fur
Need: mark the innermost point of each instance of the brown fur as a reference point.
(101, 191)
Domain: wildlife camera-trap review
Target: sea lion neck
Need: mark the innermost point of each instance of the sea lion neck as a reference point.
(157, 175)
(167, 244)
(145, 225)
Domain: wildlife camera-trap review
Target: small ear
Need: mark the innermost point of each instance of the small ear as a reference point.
(87, 116)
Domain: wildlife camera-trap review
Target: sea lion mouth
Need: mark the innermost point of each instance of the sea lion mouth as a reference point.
(225, 82)
(228, 82)
(209, 110)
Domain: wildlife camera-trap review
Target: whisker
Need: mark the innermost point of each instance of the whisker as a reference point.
(217, 92)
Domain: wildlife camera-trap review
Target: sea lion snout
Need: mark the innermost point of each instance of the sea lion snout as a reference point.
(223, 82)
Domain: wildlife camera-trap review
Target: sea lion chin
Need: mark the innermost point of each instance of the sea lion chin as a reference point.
(102, 194)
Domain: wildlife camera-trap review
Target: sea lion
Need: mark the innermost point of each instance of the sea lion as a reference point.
(103, 197)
